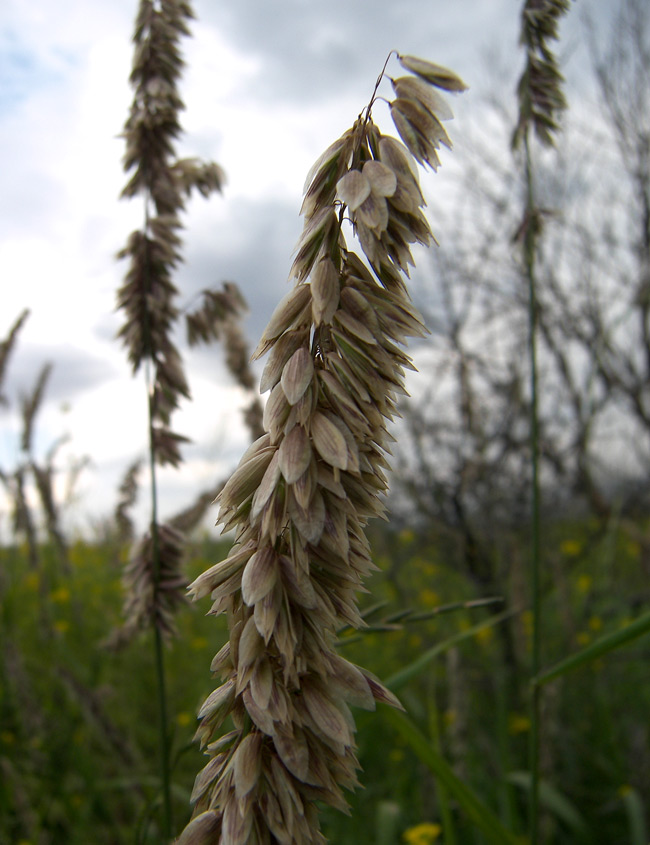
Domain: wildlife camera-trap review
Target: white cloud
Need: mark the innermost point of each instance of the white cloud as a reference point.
(266, 91)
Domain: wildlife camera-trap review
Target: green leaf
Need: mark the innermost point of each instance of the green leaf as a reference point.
(601, 646)
(413, 669)
(387, 822)
(554, 801)
(635, 815)
(481, 815)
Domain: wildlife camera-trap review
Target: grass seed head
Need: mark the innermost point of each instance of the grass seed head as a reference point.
(302, 495)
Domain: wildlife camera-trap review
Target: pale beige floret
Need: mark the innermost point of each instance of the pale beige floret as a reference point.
(303, 494)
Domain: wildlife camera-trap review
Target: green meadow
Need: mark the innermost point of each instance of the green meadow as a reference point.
(78, 746)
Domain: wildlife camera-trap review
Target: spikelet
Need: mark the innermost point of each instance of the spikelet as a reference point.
(540, 95)
(153, 586)
(303, 493)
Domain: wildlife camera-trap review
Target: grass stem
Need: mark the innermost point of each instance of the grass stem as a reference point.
(159, 657)
(530, 237)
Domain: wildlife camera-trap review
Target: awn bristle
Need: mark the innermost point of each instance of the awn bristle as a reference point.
(303, 492)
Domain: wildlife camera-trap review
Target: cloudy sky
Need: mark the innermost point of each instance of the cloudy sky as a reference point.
(269, 84)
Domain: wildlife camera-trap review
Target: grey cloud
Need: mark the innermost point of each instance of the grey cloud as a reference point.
(307, 50)
(74, 370)
(253, 249)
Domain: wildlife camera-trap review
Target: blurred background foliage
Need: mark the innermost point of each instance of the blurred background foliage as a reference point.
(78, 742)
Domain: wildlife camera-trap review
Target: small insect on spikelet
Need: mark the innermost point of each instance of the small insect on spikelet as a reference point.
(304, 491)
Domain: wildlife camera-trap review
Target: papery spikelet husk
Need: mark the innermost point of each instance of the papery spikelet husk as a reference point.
(147, 295)
(30, 405)
(128, 492)
(301, 496)
(153, 591)
(6, 348)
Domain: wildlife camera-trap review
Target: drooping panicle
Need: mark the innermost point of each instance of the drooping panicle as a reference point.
(302, 495)
(148, 295)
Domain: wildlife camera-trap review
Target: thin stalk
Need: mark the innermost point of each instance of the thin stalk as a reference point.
(158, 649)
(443, 795)
(535, 556)
(503, 687)
(159, 658)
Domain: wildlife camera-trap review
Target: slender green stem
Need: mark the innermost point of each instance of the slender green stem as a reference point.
(158, 643)
(535, 566)
(159, 657)
(443, 796)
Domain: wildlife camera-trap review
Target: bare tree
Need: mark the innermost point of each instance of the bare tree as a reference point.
(464, 454)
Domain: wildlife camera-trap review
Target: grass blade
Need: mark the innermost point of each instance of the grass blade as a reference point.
(554, 801)
(635, 815)
(600, 647)
(481, 815)
(387, 822)
(399, 679)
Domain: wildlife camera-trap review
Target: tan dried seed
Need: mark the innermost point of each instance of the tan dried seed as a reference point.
(259, 576)
(325, 291)
(353, 189)
(297, 375)
(434, 74)
(261, 685)
(383, 180)
(266, 487)
(328, 441)
(287, 310)
(247, 763)
(292, 750)
(326, 715)
(202, 830)
(294, 454)
(414, 88)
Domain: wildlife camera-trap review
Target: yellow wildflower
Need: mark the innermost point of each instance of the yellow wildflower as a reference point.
(583, 583)
(422, 834)
(571, 548)
(518, 724)
(60, 595)
(485, 636)
(449, 717)
(429, 598)
(32, 581)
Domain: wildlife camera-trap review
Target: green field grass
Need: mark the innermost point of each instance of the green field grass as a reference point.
(78, 722)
